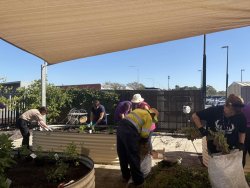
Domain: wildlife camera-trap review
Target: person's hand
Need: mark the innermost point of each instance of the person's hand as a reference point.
(241, 147)
(203, 131)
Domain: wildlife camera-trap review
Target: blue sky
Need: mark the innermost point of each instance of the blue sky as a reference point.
(150, 65)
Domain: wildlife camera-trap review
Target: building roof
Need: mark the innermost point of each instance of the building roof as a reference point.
(242, 83)
(59, 31)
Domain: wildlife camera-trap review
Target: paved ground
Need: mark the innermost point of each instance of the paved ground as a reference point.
(109, 175)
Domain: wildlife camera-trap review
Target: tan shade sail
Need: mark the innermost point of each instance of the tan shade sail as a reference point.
(62, 30)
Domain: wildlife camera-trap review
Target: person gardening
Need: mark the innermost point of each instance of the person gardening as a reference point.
(227, 119)
(98, 114)
(132, 135)
(122, 109)
(26, 118)
(136, 100)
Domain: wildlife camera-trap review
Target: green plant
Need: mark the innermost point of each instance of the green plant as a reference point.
(70, 152)
(167, 174)
(191, 133)
(82, 128)
(6, 161)
(247, 175)
(39, 151)
(57, 173)
(220, 141)
(24, 151)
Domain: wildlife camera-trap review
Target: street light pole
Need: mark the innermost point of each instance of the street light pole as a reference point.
(168, 81)
(226, 69)
(241, 70)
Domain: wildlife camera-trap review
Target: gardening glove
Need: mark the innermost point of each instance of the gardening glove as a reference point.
(241, 147)
(203, 131)
(90, 124)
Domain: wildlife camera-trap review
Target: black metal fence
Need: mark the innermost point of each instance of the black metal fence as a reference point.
(170, 105)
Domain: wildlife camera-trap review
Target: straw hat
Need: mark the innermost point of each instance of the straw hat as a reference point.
(137, 98)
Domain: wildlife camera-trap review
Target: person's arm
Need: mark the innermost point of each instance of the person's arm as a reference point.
(43, 125)
(242, 137)
(197, 121)
(100, 118)
(122, 115)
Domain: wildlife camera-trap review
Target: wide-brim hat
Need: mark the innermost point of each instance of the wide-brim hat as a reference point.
(155, 113)
(137, 98)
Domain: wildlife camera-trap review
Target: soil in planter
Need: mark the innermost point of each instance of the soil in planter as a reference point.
(76, 129)
(27, 174)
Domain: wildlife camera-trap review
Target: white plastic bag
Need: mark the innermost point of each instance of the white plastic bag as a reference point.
(226, 171)
(146, 165)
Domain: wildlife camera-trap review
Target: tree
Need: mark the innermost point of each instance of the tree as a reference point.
(113, 86)
(136, 86)
(5, 93)
(31, 96)
(210, 90)
(221, 93)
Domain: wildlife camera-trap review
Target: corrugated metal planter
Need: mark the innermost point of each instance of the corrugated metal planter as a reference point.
(101, 148)
(87, 181)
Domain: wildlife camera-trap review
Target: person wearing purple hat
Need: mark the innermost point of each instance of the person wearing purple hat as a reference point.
(122, 109)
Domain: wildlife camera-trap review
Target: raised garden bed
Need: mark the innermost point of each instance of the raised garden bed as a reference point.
(28, 172)
(100, 146)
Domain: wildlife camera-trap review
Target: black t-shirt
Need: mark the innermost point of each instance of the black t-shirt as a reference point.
(231, 126)
(96, 112)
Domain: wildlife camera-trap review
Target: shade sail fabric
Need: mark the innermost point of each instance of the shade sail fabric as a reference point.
(58, 31)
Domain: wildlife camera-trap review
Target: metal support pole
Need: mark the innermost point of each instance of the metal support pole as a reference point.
(168, 81)
(226, 69)
(204, 84)
(43, 83)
